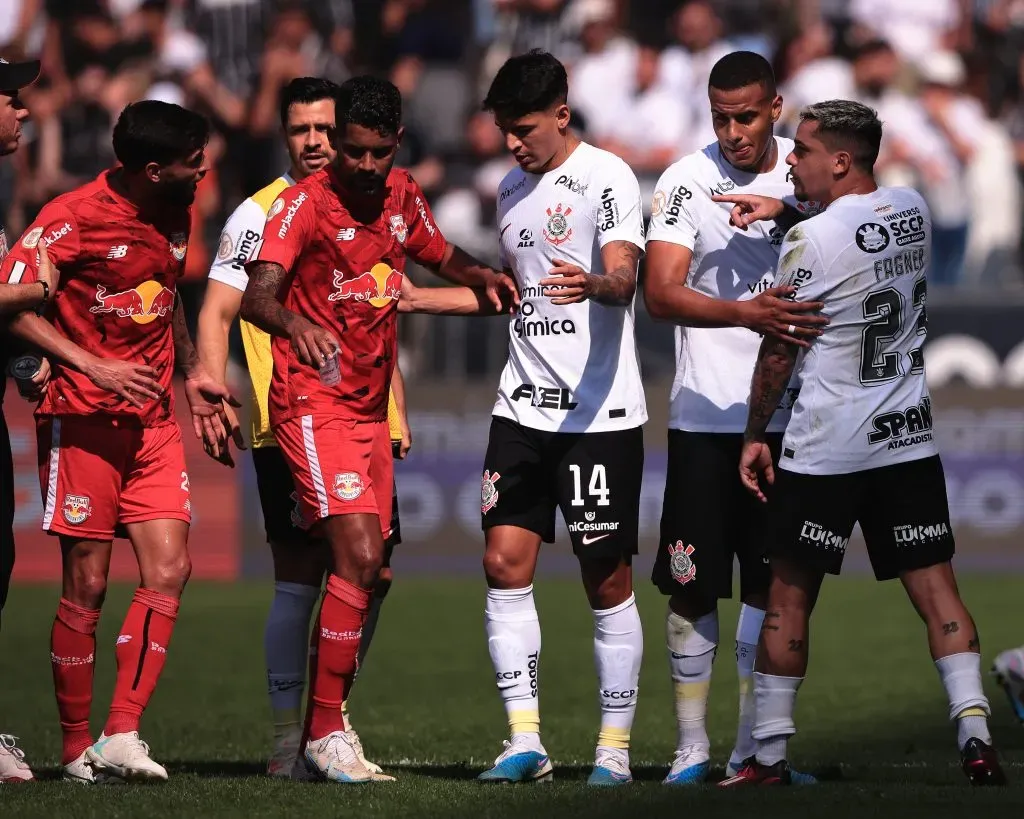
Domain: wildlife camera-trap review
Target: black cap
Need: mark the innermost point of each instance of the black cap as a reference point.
(17, 75)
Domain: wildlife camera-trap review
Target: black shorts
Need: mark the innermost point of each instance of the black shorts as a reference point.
(902, 510)
(593, 477)
(708, 518)
(280, 504)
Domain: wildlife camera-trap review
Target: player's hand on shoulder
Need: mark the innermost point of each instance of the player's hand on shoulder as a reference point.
(755, 461)
(569, 283)
(748, 208)
(47, 271)
(136, 383)
(35, 389)
(312, 344)
(775, 313)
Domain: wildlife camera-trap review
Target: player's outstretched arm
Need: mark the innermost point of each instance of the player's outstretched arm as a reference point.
(459, 267)
(771, 312)
(774, 368)
(749, 208)
(205, 394)
(313, 345)
(445, 301)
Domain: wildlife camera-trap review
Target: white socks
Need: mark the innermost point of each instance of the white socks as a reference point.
(286, 646)
(775, 699)
(618, 650)
(691, 646)
(748, 630)
(513, 640)
(961, 677)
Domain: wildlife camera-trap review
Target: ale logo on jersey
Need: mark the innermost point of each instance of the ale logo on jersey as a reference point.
(76, 509)
(142, 304)
(680, 563)
(381, 286)
(558, 231)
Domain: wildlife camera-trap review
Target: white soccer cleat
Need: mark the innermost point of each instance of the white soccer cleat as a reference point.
(286, 752)
(124, 756)
(82, 772)
(611, 768)
(13, 767)
(376, 772)
(1008, 669)
(690, 766)
(334, 759)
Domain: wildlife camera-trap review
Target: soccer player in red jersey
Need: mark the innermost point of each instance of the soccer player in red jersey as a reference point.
(108, 464)
(326, 285)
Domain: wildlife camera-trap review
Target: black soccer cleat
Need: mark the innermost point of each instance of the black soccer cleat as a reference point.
(754, 773)
(981, 764)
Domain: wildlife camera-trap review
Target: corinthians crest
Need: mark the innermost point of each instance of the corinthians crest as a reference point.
(680, 564)
(488, 493)
(558, 231)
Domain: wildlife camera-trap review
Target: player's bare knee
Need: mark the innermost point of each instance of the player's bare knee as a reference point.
(86, 586)
(608, 583)
(691, 606)
(504, 569)
(169, 576)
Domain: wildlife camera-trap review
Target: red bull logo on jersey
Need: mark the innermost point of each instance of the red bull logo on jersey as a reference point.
(142, 304)
(179, 246)
(380, 286)
(76, 509)
(398, 228)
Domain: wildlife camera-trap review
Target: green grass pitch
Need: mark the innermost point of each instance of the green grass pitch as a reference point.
(872, 715)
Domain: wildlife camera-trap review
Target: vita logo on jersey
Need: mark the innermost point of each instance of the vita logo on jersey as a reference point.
(380, 286)
(680, 564)
(558, 231)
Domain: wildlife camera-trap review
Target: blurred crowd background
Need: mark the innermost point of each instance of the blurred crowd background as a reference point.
(947, 77)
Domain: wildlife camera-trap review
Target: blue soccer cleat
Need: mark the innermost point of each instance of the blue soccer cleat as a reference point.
(610, 769)
(519, 763)
(690, 766)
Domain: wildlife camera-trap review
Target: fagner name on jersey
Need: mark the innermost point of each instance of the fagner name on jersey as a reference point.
(907, 261)
(547, 397)
(911, 426)
(675, 204)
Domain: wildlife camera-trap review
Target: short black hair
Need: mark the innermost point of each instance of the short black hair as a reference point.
(739, 69)
(850, 125)
(526, 84)
(304, 90)
(370, 102)
(160, 132)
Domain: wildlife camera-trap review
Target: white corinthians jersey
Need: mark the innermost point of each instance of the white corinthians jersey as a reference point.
(863, 399)
(714, 365)
(572, 367)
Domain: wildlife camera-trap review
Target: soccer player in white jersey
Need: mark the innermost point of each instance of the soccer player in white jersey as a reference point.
(715, 282)
(566, 431)
(859, 445)
(307, 119)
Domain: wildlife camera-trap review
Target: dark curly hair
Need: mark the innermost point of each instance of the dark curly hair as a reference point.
(160, 132)
(370, 102)
(304, 90)
(526, 84)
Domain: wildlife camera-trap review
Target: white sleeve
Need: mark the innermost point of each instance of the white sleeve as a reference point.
(801, 266)
(673, 212)
(239, 242)
(620, 216)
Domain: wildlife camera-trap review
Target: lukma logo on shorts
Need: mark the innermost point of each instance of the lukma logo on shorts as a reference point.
(77, 508)
(348, 485)
(488, 492)
(680, 564)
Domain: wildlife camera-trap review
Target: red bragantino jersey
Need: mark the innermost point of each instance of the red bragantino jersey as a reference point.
(345, 276)
(118, 273)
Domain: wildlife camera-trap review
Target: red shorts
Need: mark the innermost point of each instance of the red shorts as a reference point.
(339, 467)
(98, 471)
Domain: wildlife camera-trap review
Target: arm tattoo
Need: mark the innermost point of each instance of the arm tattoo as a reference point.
(260, 305)
(974, 644)
(796, 645)
(617, 286)
(770, 615)
(774, 366)
(185, 355)
(950, 628)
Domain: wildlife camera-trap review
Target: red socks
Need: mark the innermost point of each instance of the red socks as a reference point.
(141, 652)
(73, 657)
(341, 619)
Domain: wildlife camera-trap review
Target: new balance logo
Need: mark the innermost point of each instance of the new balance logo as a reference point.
(117, 252)
(346, 234)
